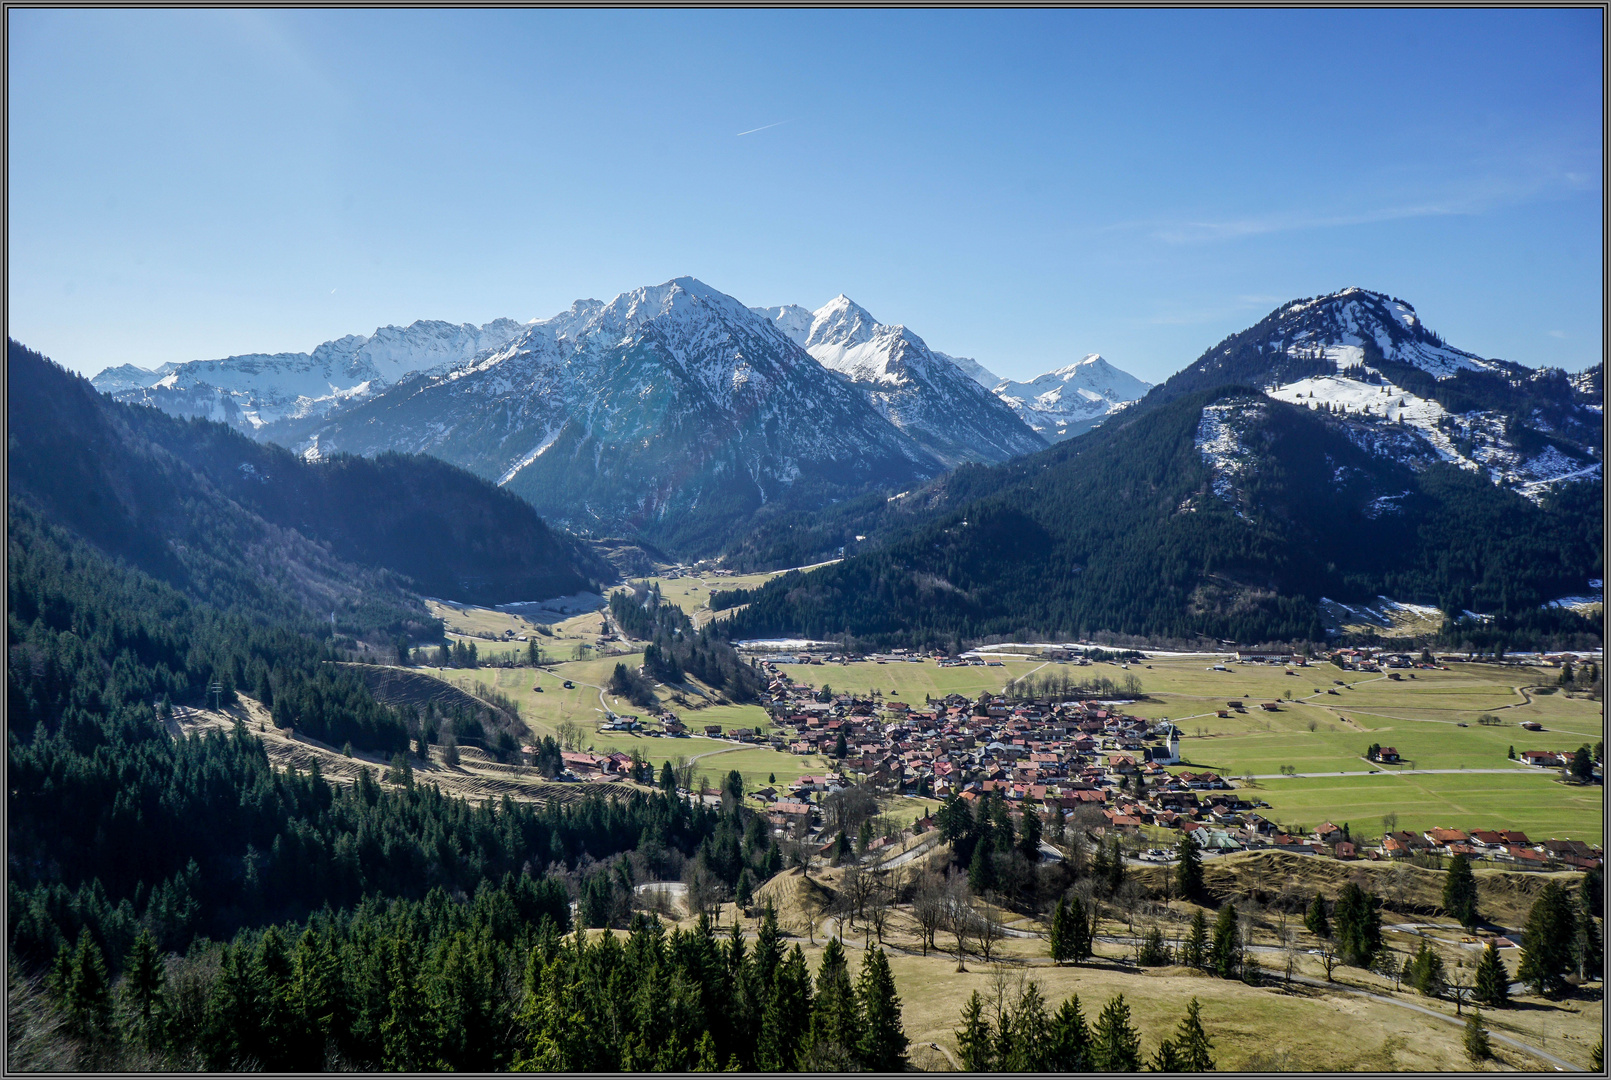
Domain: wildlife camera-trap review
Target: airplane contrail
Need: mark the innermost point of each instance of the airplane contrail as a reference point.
(763, 127)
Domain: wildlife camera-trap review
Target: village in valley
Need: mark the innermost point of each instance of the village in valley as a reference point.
(1080, 759)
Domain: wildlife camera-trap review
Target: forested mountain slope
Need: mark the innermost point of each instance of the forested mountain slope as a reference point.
(1219, 513)
(229, 520)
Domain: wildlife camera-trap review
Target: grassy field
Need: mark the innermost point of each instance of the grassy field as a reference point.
(1420, 717)
(1268, 1028)
(1536, 804)
(909, 682)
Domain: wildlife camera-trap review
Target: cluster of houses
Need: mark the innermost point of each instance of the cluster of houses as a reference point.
(1499, 845)
(1056, 756)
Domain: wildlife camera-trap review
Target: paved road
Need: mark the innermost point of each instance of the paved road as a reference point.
(1401, 772)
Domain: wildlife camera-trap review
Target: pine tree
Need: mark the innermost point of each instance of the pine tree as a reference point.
(1547, 942)
(1029, 835)
(1061, 945)
(1195, 951)
(1081, 931)
(403, 1032)
(745, 891)
(882, 1047)
(1115, 1045)
(1476, 1038)
(982, 871)
(1027, 1036)
(1491, 985)
(835, 1021)
(975, 1041)
(1189, 868)
(86, 995)
(1115, 869)
(1071, 1039)
(788, 1011)
(1223, 954)
(1426, 972)
(1191, 1042)
(143, 976)
(1460, 892)
(1315, 919)
(1153, 952)
(1358, 925)
(1590, 955)
(1164, 1059)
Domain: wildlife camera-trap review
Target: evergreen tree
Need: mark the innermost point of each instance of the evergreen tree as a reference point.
(1189, 868)
(836, 1025)
(1460, 892)
(1476, 1038)
(1029, 836)
(1115, 1045)
(744, 893)
(404, 1031)
(1194, 953)
(1070, 1038)
(1191, 1042)
(1062, 946)
(975, 1042)
(1164, 1059)
(1547, 942)
(1491, 984)
(982, 871)
(839, 747)
(1426, 972)
(1357, 925)
(882, 1047)
(788, 1012)
(1081, 931)
(1225, 951)
(85, 992)
(668, 779)
(1153, 952)
(143, 976)
(1315, 919)
(1115, 868)
(1026, 1038)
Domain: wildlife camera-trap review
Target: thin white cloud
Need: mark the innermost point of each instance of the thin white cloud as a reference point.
(1557, 334)
(763, 127)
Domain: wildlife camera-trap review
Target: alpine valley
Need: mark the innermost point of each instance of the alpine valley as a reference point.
(1336, 453)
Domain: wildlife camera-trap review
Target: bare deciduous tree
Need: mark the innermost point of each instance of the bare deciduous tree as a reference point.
(959, 916)
(928, 908)
(988, 929)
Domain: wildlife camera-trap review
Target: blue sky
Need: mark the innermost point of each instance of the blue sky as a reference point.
(1019, 187)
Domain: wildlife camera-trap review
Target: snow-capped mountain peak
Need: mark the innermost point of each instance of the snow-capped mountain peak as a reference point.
(1074, 398)
(842, 322)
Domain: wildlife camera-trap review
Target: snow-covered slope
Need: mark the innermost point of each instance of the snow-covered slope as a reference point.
(924, 394)
(1063, 403)
(256, 390)
(1405, 394)
(672, 409)
(972, 369)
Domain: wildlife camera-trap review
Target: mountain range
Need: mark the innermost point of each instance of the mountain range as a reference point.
(672, 413)
(1336, 450)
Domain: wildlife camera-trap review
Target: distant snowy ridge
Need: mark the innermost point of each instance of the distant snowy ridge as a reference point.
(925, 394)
(257, 389)
(1073, 399)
